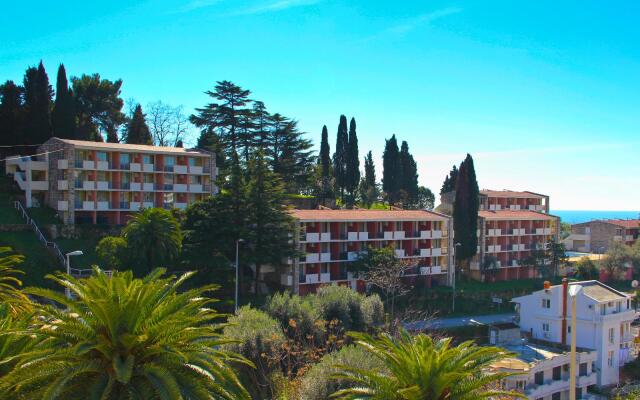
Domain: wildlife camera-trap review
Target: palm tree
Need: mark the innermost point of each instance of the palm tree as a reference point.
(153, 237)
(10, 293)
(125, 338)
(423, 368)
(12, 345)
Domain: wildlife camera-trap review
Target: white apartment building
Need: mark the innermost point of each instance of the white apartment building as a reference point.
(604, 317)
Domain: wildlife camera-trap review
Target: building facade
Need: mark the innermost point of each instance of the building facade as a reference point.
(595, 236)
(330, 240)
(496, 200)
(604, 317)
(97, 182)
(508, 241)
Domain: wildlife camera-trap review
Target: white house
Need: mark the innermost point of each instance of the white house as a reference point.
(603, 319)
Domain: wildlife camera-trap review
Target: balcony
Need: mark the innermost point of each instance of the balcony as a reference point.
(195, 188)
(325, 277)
(102, 205)
(398, 234)
(425, 253)
(63, 205)
(88, 164)
(194, 169)
(147, 167)
(135, 167)
(147, 187)
(325, 257)
(352, 256)
(312, 258)
(388, 235)
(102, 165)
(102, 185)
(88, 205)
(325, 237)
(124, 205)
(180, 169)
(134, 206)
(147, 204)
(63, 164)
(399, 253)
(311, 278)
(425, 234)
(436, 252)
(180, 188)
(363, 236)
(312, 237)
(136, 186)
(436, 234)
(63, 185)
(88, 185)
(286, 280)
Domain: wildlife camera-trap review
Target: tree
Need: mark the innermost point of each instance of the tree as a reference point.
(421, 367)
(11, 114)
(153, 237)
(425, 199)
(98, 107)
(616, 259)
(369, 192)
(391, 170)
(352, 165)
(269, 223)
(63, 117)
(555, 254)
(465, 211)
(112, 251)
(586, 269)
(125, 338)
(449, 183)
(224, 119)
(168, 125)
(37, 104)
(325, 167)
(340, 157)
(137, 130)
(408, 176)
(10, 294)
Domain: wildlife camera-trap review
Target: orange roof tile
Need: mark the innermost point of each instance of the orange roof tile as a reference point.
(366, 215)
(510, 193)
(86, 144)
(625, 223)
(515, 215)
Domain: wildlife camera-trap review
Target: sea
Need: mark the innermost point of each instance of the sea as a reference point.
(578, 216)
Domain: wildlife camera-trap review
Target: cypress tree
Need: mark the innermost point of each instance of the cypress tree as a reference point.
(340, 157)
(37, 102)
(391, 169)
(352, 171)
(368, 186)
(449, 183)
(11, 115)
(63, 117)
(408, 175)
(325, 166)
(465, 210)
(137, 129)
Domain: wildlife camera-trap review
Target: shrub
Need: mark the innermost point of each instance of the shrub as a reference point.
(260, 339)
(342, 304)
(112, 251)
(372, 310)
(318, 384)
(288, 309)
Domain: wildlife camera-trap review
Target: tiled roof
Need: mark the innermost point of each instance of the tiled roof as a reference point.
(625, 223)
(365, 215)
(510, 193)
(86, 144)
(515, 215)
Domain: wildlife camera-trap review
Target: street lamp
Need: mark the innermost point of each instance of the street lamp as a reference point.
(573, 293)
(453, 299)
(67, 292)
(237, 273)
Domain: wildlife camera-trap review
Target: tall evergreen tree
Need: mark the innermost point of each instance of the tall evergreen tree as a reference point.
(352, 170)
(98, 107)
(449, 183)
(11, 115)
(368, 185)
(465, 210)
(269, 223)
(391, 170)
(37, 102)
(137, 130)
(408, 176)
(325, 167)
(63, 116)
(340, 157)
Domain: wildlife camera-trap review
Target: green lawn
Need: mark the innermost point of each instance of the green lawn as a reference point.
(38, 260)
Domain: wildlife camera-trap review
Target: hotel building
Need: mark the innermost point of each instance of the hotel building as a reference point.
(97, 182)
(496, 200)
(595, 236)
(329, 240)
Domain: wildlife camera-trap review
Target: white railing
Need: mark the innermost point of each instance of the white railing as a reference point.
(49, 244)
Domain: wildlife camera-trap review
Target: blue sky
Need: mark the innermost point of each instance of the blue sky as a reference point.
(544, 95)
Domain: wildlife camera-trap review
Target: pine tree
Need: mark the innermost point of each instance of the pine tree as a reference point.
(449, 183)
(408, 175)
(352, 170)
(137, 130)
(465, 210)
(340, 157)
(98, 107)
(63, 116)
(391, 170)
(268, 237)
(37, 103)
(325, 167)
(11, 115)
(368, 185)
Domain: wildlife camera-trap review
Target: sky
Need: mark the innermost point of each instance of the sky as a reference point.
(544, 95)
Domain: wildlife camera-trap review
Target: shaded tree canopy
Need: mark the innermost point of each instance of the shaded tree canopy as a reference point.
(98, 107)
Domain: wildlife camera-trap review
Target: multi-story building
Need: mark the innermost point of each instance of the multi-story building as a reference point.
(496, 200)
(595, 236)
(540, 368)
(99, 182)
(331, 239)
(507, 240)
(603, 322)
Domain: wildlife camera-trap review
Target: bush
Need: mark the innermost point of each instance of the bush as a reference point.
(112, 251)
(288, 309)
(317, 383)
(260, 339)
(342, 304)
(372, 310)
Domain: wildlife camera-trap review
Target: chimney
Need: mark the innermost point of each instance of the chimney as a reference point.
(565, 293)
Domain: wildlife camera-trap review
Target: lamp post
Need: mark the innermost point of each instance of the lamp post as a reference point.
(237, 272)
(573, 293)
(67, 292)
(453, 298)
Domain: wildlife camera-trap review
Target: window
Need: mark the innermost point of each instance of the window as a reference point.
(603, 309)
(169, 160)
(539, 378)
(101, 156)
(556, 396)
(545, 327)
(546, 303)
(124, 161)
(147, 159)
(611, 335)
(610, 358)
(619, 306)
(557, 373)
(583, 369)
(520, 384)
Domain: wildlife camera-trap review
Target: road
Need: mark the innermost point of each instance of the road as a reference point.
(453, 322)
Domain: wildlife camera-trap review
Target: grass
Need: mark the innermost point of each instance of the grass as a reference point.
(8, 214)
(38, 260)
(44, 215)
